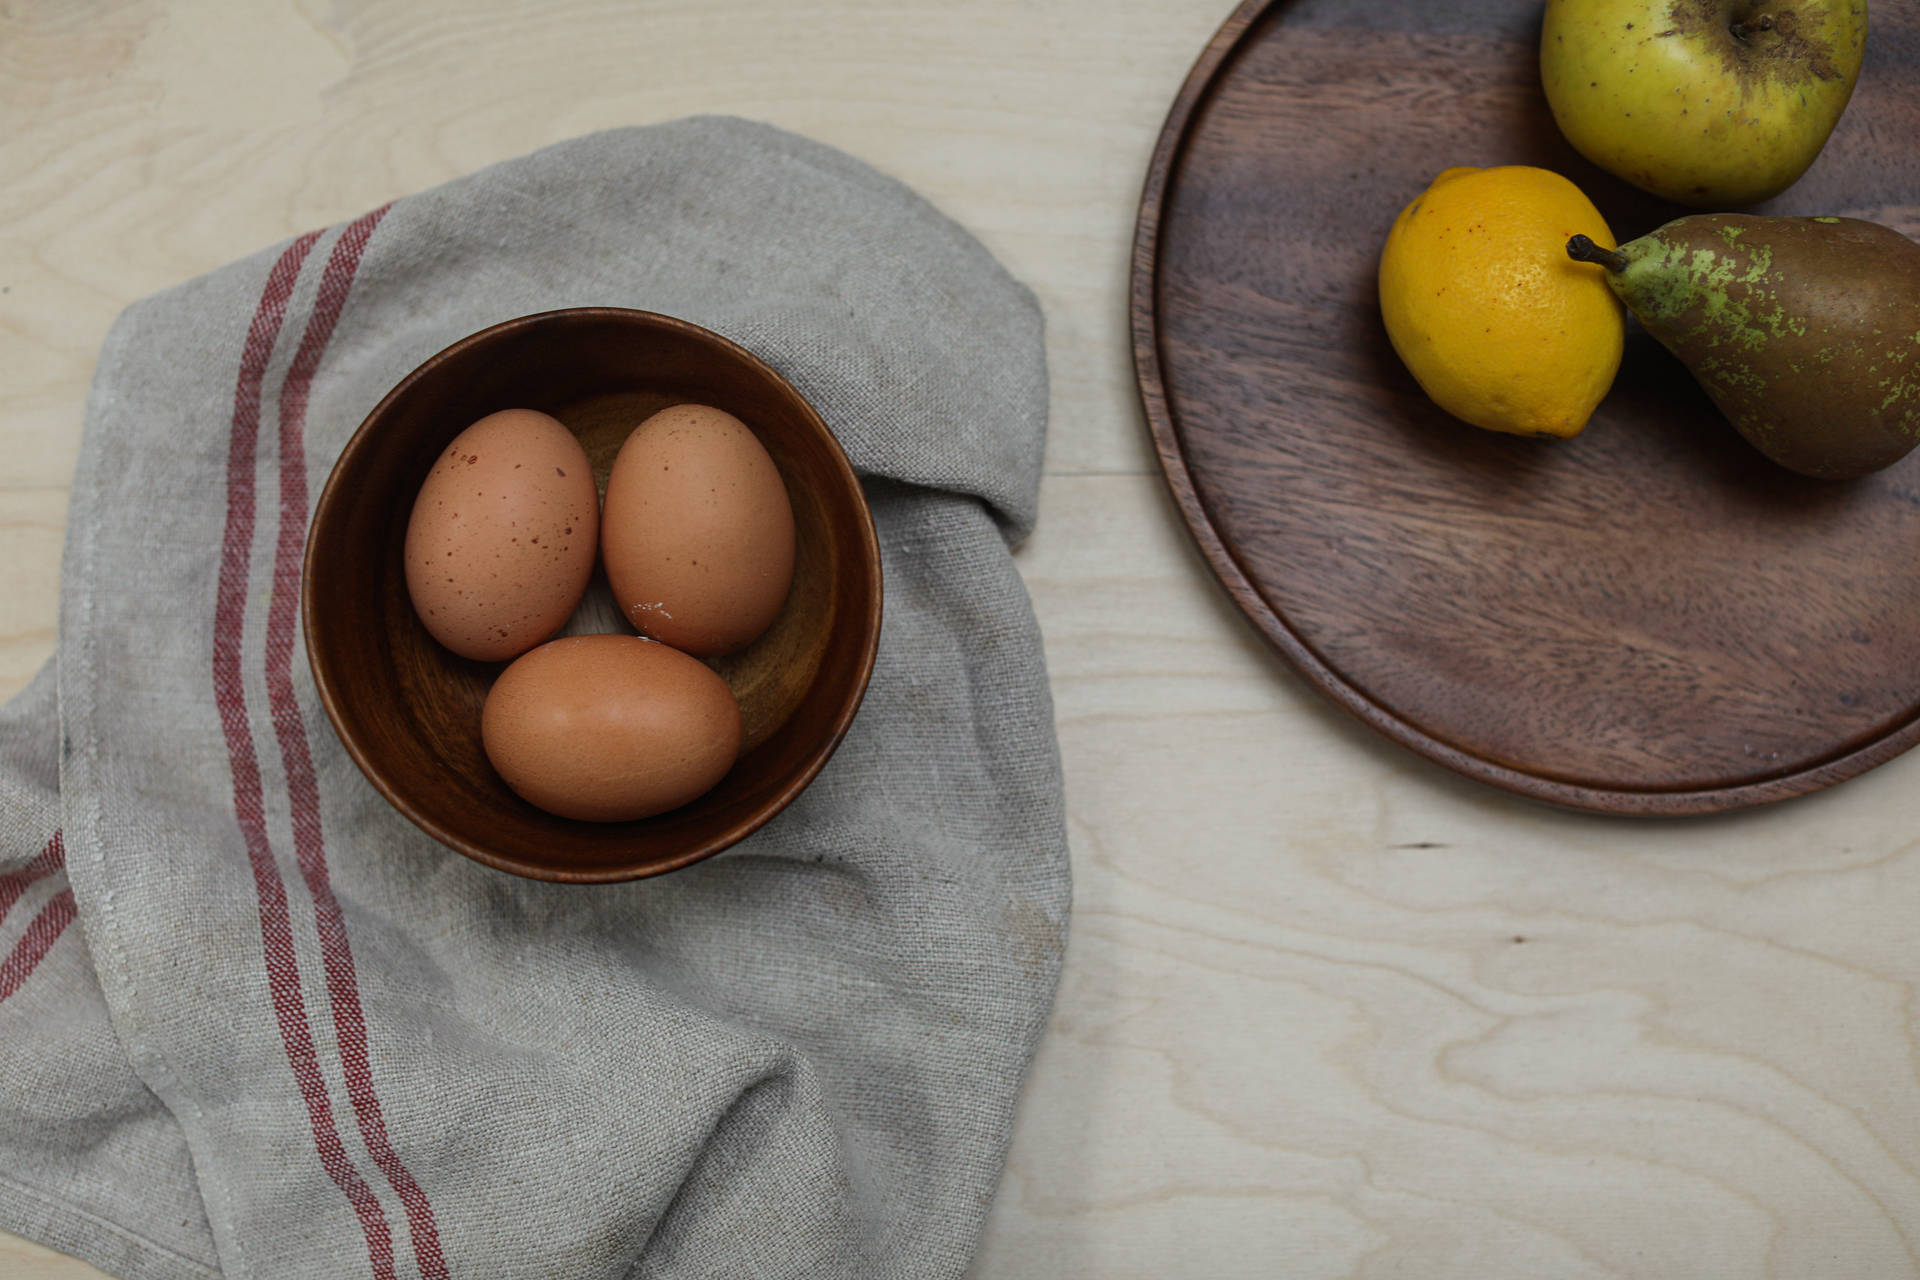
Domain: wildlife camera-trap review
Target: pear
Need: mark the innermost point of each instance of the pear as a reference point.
(1804, 331)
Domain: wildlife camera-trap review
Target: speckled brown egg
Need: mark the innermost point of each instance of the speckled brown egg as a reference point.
(697, 532)
(502, 537)
(610, 728)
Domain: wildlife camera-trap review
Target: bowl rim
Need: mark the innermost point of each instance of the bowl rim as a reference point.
(331, 697)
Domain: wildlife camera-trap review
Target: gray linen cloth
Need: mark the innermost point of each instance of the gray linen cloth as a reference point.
(253, 1023)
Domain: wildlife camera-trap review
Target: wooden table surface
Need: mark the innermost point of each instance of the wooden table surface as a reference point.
(1329, 1010)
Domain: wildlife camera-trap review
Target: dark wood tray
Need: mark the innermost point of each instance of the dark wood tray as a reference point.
(1650, 618)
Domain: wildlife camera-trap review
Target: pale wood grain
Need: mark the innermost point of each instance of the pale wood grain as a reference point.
(1329, 1011)
(24, 1260)
(1332, 1011)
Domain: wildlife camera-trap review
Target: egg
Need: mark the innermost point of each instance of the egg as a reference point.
(501, 540)
(697, 531)
(609, 728)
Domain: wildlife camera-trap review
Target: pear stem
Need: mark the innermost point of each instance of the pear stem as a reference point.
(1741, 30)
(1581, 249)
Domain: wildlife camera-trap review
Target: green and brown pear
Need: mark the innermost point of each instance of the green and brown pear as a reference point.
(1804, 331)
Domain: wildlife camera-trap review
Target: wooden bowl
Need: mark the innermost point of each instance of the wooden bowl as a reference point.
(408, 710)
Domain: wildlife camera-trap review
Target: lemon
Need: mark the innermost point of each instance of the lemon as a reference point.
(1497, 324)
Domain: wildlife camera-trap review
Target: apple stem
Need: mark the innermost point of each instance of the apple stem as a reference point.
(1581, 249)
(1741, 30)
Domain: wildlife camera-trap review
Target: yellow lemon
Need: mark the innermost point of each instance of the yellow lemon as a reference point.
(1493, 319)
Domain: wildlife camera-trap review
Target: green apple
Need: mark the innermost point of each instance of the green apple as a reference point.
(1712, 103)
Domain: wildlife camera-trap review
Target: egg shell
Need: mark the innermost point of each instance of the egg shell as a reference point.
(697, 532)
(501, 540)
(610, 728)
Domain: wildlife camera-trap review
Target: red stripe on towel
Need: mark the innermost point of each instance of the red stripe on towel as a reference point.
(276, 931)
(36, 942)
(45, 863)
(343, 985)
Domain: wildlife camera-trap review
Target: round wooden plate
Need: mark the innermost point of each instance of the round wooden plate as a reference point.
(1650, 618)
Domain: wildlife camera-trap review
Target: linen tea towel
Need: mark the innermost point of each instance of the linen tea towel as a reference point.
(253, 1023)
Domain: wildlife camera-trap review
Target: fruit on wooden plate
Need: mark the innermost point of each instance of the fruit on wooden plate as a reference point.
(1804, 331)
(1493, 319)
(1709, 103)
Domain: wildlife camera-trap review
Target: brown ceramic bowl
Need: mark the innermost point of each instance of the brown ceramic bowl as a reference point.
(408, 711)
